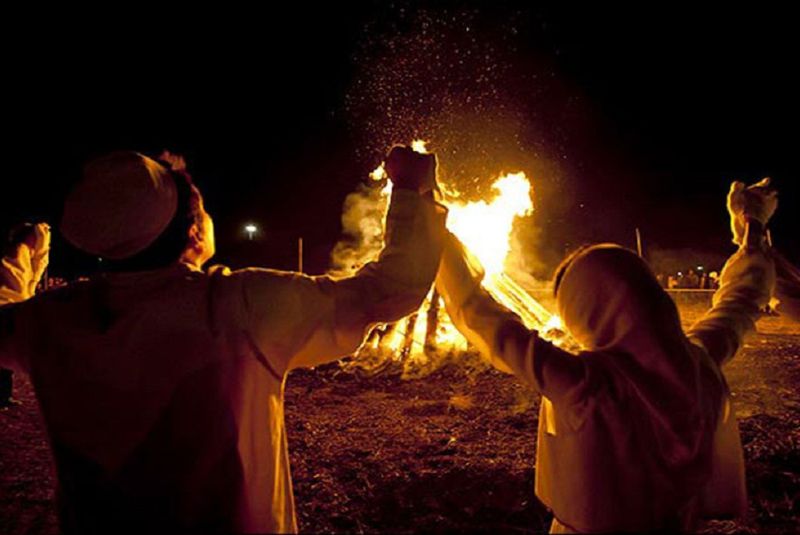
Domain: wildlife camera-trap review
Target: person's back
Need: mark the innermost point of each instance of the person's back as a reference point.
(162, 389)
(635, 432)
(138, 377)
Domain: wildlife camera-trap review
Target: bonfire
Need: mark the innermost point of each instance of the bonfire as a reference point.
(427, 339)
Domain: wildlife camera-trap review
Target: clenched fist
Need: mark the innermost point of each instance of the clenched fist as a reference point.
(411, 170)
(25, 261)
(756, 202)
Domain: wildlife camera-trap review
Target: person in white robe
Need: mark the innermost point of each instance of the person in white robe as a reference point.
(161, 384)
(636, 432)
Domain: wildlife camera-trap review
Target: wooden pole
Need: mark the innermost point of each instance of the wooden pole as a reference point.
(433, 322)
(639, 242)
(300, 254)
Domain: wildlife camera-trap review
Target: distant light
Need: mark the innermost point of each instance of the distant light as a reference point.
(699, 268)
(250, 229)
(680, 274)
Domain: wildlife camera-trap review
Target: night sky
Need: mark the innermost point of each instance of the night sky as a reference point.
(624, 117)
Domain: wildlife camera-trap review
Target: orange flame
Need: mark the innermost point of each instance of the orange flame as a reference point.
(485, 228)
(378, 174)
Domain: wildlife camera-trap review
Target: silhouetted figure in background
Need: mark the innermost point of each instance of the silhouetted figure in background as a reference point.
(23, 265)
(703, 281)
(692, 280)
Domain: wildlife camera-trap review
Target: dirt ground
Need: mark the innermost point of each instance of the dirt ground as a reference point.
(452, 451)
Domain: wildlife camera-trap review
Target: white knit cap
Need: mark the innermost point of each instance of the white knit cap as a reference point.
(122, 203)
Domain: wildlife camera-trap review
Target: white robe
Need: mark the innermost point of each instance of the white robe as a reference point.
(162, 391)
(635, 433)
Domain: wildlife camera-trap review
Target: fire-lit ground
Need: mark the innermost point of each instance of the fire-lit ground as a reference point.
(447, 452)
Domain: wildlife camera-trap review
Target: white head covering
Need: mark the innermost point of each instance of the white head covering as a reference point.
(123, 202)
(611, 303)
(637, 451)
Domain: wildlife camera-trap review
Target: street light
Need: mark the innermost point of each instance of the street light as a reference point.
(250, 229)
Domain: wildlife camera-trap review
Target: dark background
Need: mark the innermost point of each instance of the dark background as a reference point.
(672, 104)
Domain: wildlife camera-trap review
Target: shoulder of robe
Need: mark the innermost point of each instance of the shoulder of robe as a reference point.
(601, 379)
(600, 388)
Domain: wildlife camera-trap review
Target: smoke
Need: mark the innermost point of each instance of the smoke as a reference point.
(456, 79)
(363, 221)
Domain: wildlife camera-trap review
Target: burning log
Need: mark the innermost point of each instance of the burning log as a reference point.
(433, 322)
(411, 324)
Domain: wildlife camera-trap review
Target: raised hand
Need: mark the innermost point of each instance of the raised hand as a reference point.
(25, 261)
(754, 203)
(411, 170)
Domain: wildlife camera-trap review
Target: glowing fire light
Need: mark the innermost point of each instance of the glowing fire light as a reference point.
(555, 323)
(485, 228)
(378, 174)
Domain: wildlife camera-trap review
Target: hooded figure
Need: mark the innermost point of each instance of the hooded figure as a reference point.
(161, 384)
(636, 432)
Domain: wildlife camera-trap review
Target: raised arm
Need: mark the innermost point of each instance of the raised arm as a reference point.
(747, 279)
(759, 201)
(21, 270)
(300, 321)
(22, 267)
(498, 333)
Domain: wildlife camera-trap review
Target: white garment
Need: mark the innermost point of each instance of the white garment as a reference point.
(635, 433)
(23, 268)
(162, 391)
